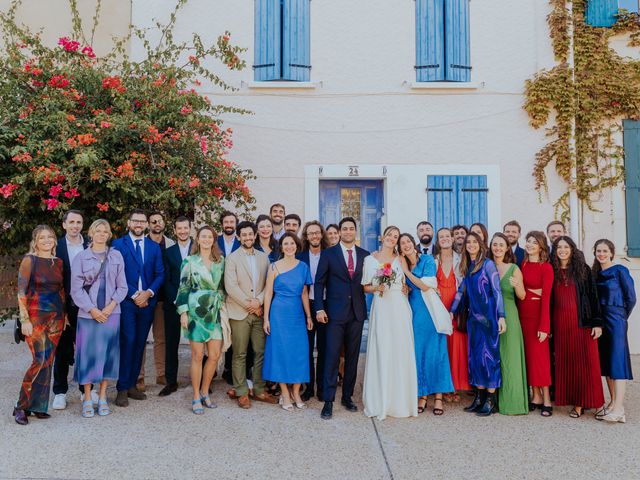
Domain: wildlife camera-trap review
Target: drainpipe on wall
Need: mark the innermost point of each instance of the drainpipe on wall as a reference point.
(574, 206)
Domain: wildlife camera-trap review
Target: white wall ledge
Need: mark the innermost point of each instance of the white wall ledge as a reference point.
(444, 85)
(282, 85)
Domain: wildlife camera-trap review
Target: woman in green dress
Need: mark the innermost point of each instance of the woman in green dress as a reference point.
(198, 303)
(513, 396)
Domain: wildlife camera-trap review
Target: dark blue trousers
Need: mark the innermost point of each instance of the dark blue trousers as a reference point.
(135, 324)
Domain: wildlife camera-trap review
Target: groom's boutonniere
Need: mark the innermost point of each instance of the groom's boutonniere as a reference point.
(385, 275)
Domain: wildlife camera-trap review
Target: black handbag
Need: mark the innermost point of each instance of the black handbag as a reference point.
(463, 314)
(17, 329)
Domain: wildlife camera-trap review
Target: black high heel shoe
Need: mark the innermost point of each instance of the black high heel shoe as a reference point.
(478, 400)
(488, 407)
(20, 416)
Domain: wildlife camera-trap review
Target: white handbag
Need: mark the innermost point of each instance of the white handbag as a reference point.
(439, 314)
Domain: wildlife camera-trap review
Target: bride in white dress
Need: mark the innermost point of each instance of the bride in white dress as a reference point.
(390, 378)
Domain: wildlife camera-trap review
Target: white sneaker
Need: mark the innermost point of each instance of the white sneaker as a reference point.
(60, 401)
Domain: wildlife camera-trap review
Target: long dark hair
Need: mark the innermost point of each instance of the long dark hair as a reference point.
(597, 268)
(273, 243)
(305, 238)
(541, 240)
(465, 261)
(485, 232)
(436, 241)
(577, 268)
(413, 242)
(509, 256)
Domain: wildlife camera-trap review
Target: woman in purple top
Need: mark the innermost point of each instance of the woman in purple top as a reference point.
(485, 322)
(98, 285)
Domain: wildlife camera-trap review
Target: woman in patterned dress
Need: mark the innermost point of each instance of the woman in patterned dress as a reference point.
(198, 303)
(41, 302)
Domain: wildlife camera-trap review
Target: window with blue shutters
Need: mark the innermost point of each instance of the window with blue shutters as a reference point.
(282, 40)
(456, 200)
(443, 51)
(602, 13)
(631, 139)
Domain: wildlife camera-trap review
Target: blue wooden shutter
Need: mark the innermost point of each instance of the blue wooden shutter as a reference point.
(601, 13)
(296, 41)
(372, 211)
(429, 40)
(632, 184)
(267, 40)
(329, 202)
(457, 41)
(456, 199)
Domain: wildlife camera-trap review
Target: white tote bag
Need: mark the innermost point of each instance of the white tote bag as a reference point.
(439, 314)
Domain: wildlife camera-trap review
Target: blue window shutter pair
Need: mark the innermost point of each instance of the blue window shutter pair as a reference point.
(456, 199)
(631, 139)
(442, 41)
(282, 40)
(601, 13)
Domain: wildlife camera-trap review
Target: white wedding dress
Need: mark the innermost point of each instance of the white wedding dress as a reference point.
(390, 378)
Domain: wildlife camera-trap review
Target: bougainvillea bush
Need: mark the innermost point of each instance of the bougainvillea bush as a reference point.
(105, 134)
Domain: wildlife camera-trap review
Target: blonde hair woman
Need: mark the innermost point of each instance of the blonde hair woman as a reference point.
(98, 285)
(41, 303)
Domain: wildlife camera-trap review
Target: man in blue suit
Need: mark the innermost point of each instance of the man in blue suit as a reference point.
(344, 312)
(145, 275)
(228, 242)
(512, 231)
(313, 242)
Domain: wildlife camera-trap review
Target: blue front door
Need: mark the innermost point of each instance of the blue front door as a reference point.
(360, 199)
(456, 200)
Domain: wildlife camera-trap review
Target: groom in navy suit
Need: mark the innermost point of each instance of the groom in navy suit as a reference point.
(343, 311)
(144, 271)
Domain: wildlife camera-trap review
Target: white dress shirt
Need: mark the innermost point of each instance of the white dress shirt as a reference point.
(133, 239)
(253, 268)
(278, 235)
(429, 249)
(228, 246)
(184, 251)
(73, 249)
(314, 259)
(346, 255)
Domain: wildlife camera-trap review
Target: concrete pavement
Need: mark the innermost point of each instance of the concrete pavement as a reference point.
(161, 439)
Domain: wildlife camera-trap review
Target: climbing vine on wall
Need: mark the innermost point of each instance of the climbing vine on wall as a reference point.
(605, 89)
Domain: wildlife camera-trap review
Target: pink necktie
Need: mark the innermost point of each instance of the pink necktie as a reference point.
(350, 266)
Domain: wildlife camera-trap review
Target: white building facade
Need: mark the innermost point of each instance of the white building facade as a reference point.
(361, 117)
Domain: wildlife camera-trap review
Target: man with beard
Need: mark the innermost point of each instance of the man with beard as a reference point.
(459, 234)
(555, 229)
(145, 276)
(512, 231)
(425, 237)
(245, 276)
(173, 257)
(313, 242)
(228, 242)
(292, 223)
(277, 213)
(156, 233)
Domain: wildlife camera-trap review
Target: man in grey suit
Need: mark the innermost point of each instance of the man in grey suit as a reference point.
(245, 275)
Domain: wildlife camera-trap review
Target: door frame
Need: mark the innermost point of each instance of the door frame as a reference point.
(405, 210)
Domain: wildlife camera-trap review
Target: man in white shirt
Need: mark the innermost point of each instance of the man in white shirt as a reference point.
(313, 242)
(425, 237)
(67, 248)
(277, 213)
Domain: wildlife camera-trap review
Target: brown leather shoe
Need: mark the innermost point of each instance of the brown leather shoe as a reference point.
(140, 385)
(122, 400)
(231, 393)
(265, 397)
(244, 402)
(161, 380)
(136, 394)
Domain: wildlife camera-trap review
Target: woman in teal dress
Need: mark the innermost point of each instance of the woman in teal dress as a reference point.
(198, 303)
(513, 396)
(432, 357)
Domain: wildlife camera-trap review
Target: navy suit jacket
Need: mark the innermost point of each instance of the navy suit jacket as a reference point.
(519, 254)
(151, 272)
(304, 257)
(172, 261)
(62, 252)
(236, 245)
(342, 292)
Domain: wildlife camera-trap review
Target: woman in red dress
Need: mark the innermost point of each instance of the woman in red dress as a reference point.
(577, 324)
(447, 262)
(534, 312)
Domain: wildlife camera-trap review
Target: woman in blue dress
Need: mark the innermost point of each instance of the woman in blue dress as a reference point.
(287, 317)
(432, 358)
(485, 322)
(617, 296)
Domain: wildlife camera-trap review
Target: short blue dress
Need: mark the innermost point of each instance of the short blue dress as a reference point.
(286, 354)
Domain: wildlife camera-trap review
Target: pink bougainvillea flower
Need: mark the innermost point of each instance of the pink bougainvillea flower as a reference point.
(103, 207)
(104, 124)
(88, 51)
(22, 157)
(55, 190)
(194, 183)
(68, 44)
(186, 110)
(204, 145)
(7, 189)
(51, 203)
(72, 193)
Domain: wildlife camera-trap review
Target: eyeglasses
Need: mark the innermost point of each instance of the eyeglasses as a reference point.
(155, 222)
(314, 234)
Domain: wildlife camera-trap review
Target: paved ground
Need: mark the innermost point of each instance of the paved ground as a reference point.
(160, 439)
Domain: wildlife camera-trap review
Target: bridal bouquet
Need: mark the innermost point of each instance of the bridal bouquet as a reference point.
(385, 275)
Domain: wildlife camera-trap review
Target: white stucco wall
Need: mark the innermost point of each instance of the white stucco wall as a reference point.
(360, 109)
